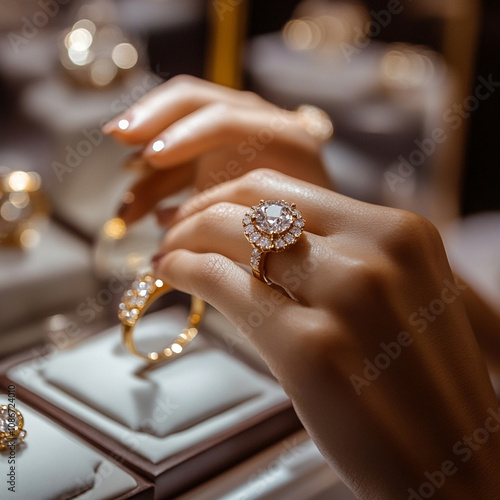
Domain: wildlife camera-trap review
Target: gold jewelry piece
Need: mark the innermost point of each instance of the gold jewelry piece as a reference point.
(315, 121)
(11, 427)
(143, 292)
(271, 226)
(22, 207)
(94, 52)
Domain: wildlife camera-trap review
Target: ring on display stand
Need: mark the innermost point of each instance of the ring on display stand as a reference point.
(11, 427)
(141, 295)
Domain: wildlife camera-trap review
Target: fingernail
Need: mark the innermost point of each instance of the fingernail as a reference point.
(127, 200)
(164, 216)
(155, 260)
(155, 148)
(118, 123)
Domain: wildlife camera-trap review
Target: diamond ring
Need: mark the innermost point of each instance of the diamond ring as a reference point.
(136, 300)
(271, 226)
(11, 427)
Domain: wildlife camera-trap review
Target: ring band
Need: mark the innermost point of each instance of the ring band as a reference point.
(142, 293)
(271, 226)
(11, 427)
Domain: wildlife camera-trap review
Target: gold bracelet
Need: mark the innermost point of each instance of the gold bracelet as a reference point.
(143, 292)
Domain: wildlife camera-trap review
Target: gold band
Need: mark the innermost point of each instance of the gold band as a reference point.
(11, 427)
(135, 302)
(258, 263)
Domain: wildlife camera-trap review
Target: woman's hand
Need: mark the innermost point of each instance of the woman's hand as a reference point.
(196, 133)
(376, 352)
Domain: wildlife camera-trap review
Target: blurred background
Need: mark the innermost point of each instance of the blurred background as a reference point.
(411, 87)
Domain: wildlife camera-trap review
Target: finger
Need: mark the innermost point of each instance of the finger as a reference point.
(152, 187)
(166, 104)
(219, 124)
(219, 230)
(312, 201)
(264, 315)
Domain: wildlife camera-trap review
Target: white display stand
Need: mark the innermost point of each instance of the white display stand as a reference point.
(157, 412)
(40, 281)
(52, 464)
(473, 247)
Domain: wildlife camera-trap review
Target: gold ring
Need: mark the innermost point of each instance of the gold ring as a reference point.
(271, 226)
(11, 427)
(142, 293)
(315, 121)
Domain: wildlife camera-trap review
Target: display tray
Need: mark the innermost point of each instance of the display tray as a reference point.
(54, 464)
(178, 424)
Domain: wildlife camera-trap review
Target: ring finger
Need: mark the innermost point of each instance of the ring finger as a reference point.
(218, 229)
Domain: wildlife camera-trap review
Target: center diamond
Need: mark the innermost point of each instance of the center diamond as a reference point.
(4, 422)
(274, 217)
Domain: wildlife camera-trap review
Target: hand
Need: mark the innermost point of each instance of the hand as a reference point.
(206, 134)
(376, 352)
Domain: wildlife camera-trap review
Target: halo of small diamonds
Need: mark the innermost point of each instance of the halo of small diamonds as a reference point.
(11, 427)
(272, 226)
(135, 298)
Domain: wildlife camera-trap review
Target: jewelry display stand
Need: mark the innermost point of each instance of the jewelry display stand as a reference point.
(293, 468)
(178, 423)
(52, 463)
(85, 180)
(40, 281)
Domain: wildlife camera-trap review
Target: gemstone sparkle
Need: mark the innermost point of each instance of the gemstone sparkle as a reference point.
(274, 217)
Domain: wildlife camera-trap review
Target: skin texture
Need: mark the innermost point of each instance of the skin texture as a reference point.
(376, 351)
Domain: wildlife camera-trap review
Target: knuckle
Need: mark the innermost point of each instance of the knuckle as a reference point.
(251, 97)
(253, 181)
(366, 277)
(182, 81)
(223, 116)
(410, 236)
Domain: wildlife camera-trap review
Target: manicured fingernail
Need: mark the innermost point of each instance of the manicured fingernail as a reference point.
(127, 200)
(118, 123)
(164, 216)
(155, 260)
(158, 146)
